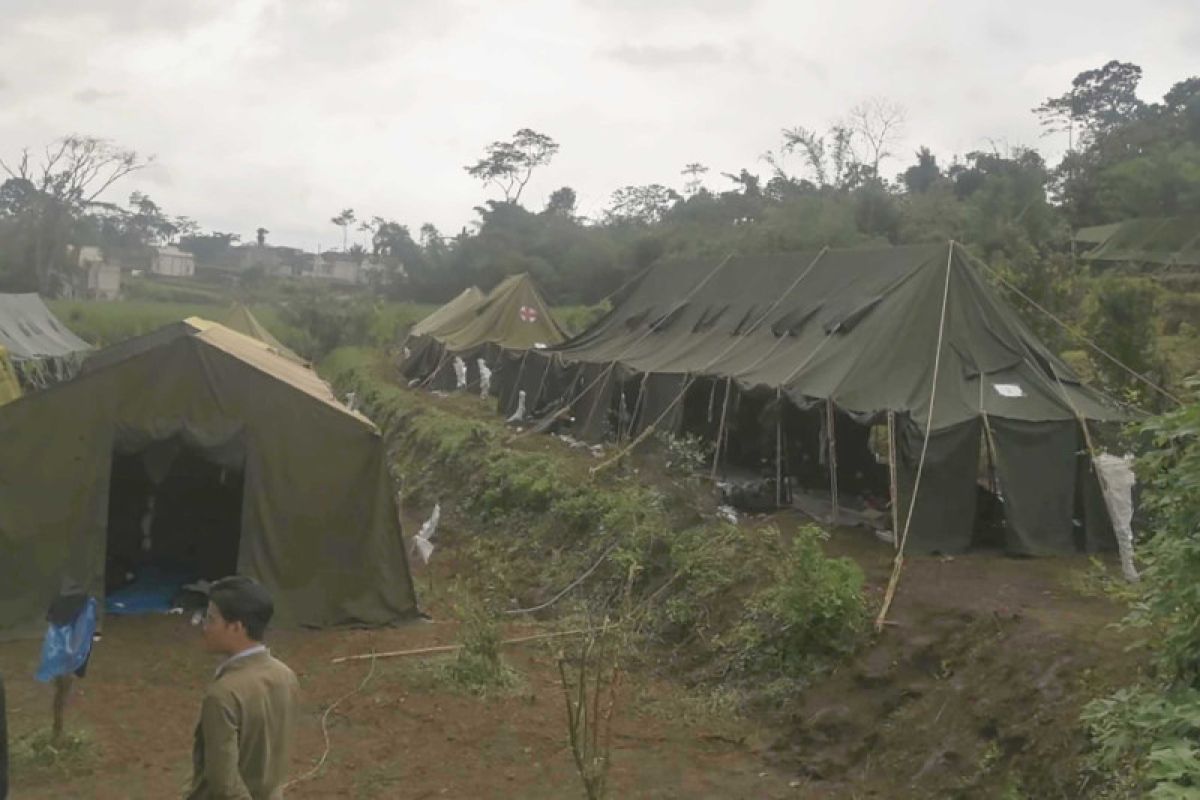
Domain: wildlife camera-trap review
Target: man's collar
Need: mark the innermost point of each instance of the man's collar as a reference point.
(249, 651)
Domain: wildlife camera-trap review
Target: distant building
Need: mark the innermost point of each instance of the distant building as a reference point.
(173, 262)
(335, 267)
(98, 277)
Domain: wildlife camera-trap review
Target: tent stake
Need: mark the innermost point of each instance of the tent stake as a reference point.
(831, 429)
(892, 478)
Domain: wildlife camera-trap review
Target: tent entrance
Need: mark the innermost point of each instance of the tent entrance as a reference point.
(174, 517)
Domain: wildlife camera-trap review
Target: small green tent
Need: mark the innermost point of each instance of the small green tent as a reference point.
(513, 318)
(318, 519)
(239, 319)
(463, 303)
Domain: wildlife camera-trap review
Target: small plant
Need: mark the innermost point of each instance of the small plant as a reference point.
(590, 678)
(478, 667)
(687, 454)
(64, 754)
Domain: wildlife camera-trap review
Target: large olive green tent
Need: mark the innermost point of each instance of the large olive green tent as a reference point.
(318, 521)
(464, 302)
(786, 361)
(240, 319)
(513, 318)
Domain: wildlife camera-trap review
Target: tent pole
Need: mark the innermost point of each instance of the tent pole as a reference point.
(892, 478)
(637, 404)
(830, 428)
(517, 383)
(721, 428)
(779, 447)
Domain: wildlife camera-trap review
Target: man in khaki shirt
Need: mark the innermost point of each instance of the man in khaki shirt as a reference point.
(248, 715)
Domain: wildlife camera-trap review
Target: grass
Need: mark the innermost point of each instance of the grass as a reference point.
(39, 753)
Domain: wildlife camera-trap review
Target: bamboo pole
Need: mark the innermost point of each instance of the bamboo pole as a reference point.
(831, 430)
(450, 648)
(893, 478)
(721, 428)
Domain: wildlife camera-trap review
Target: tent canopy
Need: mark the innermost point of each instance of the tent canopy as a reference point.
(858, 327)
(513, 316)
(239, 319)
(1162, 241)
(29, 331)
(468, 299)
(318, 523)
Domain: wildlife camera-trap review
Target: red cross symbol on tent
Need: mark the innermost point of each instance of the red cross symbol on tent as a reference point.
(528, 314)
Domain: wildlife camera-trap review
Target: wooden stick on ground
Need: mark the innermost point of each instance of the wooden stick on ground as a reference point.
(450, 648)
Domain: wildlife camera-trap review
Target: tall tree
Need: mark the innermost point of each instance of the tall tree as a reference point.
(260, 236)
(509, 165)
(922, 176)
(69, 178)
(879, 124)
(344, 220)
(1099, 101)
(562, 203)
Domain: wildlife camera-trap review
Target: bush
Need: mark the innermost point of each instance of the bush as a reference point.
(1149, 734)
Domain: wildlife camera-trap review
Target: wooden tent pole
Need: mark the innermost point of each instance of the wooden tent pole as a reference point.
(721, 428)
(831, 430)
(779, 447)
(893, 478)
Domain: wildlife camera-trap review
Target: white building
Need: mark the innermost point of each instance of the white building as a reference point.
(174, 262)
(98, 277)
(333, 267)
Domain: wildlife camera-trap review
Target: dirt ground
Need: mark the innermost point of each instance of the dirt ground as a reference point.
(979, 679)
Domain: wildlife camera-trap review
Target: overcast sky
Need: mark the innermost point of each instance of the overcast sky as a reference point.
(282, 112)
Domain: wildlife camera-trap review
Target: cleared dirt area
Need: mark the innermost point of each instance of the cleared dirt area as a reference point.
(973, 692)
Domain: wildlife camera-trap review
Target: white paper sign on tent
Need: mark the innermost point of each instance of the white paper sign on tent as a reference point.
(1009, 390)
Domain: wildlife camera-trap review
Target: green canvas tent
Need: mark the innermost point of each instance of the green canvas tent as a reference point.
(513, 318)
(317, 522)
(762, 353)
(239, 319)
(464, 302)
(1162, 242)
(42, 349)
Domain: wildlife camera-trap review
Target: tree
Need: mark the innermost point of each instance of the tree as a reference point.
(879, 124)
(1099, 101)
(642, 204)
(924, 175)
(695, 178)
(344, 220)
(562, 203)
(72, 174)
(260, 236)
(509, 165)
(831, 158)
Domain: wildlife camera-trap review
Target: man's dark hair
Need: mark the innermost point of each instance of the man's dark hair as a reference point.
(244, 600)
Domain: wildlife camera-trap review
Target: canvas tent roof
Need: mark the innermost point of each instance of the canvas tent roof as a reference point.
(319, 525)
(30, 331)
(513, 316)
(1164, 241)
(861, 330)
(859, 327)
(240, 319)
(464, 302)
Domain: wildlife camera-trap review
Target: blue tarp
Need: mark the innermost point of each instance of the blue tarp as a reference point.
(151, 593)
(66, 647)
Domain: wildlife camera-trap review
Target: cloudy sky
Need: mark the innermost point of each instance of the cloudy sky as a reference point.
(282, 112)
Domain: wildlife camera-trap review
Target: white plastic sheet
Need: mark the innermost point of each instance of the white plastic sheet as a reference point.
(1117, 479)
